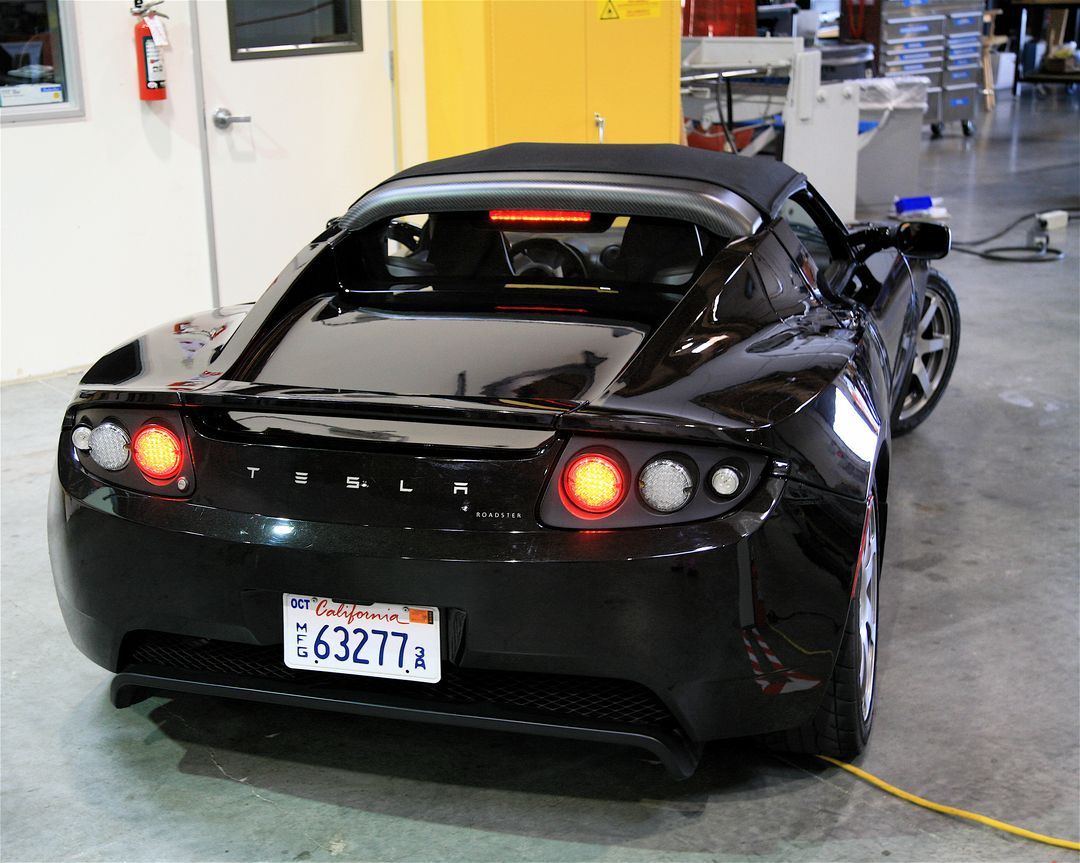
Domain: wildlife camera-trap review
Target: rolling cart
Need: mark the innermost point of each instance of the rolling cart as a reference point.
(935, 39)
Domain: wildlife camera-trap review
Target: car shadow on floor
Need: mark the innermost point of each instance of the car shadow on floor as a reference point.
(484, 780)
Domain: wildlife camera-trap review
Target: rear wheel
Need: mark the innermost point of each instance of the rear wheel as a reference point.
(842, 724)
(937, 342)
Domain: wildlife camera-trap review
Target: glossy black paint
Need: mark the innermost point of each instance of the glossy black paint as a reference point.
(730, 612)
(926, 241)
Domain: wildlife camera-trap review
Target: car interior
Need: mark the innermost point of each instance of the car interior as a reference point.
(605, 248)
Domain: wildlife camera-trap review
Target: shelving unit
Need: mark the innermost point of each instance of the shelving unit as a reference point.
(1054, 35)
(935, 39)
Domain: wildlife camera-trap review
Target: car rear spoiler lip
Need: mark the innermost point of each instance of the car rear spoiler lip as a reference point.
(507, 413)
(678, 755)
(522, 414)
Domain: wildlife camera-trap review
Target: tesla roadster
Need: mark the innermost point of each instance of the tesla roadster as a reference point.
(577, 440)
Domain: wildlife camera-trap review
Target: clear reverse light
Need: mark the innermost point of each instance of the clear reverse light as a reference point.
(725, 480)
(665, 485)
(110, 446)
(80, 438)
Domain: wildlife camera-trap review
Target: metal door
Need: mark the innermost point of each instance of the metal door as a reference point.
(293, 134)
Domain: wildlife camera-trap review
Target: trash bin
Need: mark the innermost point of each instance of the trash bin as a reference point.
(890, 122)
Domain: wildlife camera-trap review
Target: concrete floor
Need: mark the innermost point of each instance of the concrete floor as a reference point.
(978, 699)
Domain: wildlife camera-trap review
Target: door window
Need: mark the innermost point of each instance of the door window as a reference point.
(808, 232)
(814, 239)
(285, 28)
(786, 282)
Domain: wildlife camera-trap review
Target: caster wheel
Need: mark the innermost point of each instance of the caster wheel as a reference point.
(937, 130)
(968, 128)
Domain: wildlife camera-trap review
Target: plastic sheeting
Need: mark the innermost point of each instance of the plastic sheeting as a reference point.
(887, 94)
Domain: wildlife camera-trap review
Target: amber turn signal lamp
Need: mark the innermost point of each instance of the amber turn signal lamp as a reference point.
(594, 483)
(157, 452)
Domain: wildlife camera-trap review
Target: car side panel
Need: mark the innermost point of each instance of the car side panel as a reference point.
(894, 287)
(807, 389)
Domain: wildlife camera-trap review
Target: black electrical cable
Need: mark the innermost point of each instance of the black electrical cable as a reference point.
(1031, 254)
(1009, 227)
(725, 126)
(1014, 254)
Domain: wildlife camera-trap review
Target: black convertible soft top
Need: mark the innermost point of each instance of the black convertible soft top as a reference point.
(761, 181)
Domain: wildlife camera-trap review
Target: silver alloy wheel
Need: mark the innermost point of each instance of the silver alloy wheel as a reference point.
(868, 620)
(932, 344)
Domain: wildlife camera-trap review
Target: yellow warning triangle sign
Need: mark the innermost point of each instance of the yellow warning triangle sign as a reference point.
(610, 13)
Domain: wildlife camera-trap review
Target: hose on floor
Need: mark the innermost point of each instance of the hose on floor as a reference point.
(951, 810)
(1029, 254)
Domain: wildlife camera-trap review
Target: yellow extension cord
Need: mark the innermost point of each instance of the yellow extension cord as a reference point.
(950, 810)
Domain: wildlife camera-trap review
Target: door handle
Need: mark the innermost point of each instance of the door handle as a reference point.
(223, 118)
(599, 120)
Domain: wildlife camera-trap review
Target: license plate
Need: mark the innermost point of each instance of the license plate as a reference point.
(375, 640)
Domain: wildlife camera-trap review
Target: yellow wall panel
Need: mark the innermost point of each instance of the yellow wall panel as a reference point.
(498, 71)
(633, 69)
(538, 68)
(457, 64)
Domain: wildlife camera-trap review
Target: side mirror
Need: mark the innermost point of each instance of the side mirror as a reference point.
(927, 241)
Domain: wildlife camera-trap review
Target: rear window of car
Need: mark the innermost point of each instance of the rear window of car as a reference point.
(538, 248)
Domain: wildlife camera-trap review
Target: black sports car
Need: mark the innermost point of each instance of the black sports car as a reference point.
(579, 440)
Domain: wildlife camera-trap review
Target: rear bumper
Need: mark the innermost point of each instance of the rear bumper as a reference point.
(678, 754)
(732, 625)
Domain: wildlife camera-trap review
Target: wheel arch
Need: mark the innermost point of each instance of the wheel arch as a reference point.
(881, 484)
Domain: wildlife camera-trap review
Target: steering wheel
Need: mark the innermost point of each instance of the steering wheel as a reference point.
(548, 258)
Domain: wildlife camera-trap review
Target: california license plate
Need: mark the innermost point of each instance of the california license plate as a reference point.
(376, 640)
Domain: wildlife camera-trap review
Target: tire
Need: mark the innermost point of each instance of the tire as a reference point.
(936, 349)
(841, 727)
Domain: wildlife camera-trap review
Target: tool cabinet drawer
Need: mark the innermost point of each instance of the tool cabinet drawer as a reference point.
(903, 29)
(958, 103)
(929, 44)
(934, 77)
(963, 22)
(957, 75)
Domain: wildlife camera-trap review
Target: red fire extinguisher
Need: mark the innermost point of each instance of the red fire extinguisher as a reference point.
(149, 39)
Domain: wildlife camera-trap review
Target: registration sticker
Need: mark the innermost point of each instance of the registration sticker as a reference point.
(374, 640)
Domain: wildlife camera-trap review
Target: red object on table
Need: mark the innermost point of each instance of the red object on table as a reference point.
(719, 18)
(713, 138)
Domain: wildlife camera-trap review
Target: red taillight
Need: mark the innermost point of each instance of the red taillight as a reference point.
(536, 216)
(594, 483)
(157, 451)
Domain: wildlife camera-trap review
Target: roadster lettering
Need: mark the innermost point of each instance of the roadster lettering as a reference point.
(354, 482)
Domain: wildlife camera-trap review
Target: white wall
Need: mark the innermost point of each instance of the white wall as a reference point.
(102, 219)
